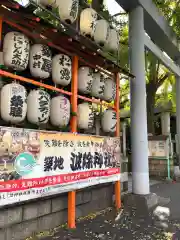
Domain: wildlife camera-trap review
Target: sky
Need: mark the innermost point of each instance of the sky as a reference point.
(113, 6)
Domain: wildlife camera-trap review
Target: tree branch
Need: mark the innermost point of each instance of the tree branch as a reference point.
(174, 11)
(162, 79)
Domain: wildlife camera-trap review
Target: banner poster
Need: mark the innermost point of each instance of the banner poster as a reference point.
(35, 163)
(158, 148)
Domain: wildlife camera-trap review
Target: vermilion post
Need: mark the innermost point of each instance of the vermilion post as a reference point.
(117, 102)
(1, 25)
(74, 97)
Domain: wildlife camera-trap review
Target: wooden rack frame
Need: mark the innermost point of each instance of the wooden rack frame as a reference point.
(15, 21)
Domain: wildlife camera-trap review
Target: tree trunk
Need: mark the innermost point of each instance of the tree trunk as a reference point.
(151, 92)
(96, 4)
(151, 88)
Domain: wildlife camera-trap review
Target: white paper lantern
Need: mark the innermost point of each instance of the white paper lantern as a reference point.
(16, 51)
(98, 86)
(101, 32)
(112, 43)
(13, 103)
(88, 19)
(40, 62)
(109, 90)
(85, 116)
(109, 121)
(85, 79)
(1, 63)
(38, 109)
(60, 111)
(68, 10)
(62, 69)
(45, 3)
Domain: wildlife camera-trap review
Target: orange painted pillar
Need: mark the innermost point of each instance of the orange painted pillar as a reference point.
(117, 103)
(1, 26)
(74, 90)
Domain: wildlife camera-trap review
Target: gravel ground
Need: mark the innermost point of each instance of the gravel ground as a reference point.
(105, 225)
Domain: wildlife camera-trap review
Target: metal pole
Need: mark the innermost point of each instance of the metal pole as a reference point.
(165, 123)
(139, 138)
(178, 113)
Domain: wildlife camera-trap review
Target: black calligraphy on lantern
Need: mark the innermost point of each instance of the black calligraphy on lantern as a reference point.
(65, 74)
(91, 118)
(16, 57)
(43, 106)
(92, 25)
(74, 9)
(101, 86)
(113, 91)
(46, 65)
(20, 54)
(37, 57)
(53, 163)
(108, 32)
(114, 117)
(46, 52)
(90, 80)
(94, 17)
(37, 61)
(16, 106)
(64, 60)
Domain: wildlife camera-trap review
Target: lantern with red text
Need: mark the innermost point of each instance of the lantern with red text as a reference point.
(60, 111)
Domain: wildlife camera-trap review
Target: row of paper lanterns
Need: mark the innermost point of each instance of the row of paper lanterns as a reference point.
(89, 24)
(39, 108)
(17, 53)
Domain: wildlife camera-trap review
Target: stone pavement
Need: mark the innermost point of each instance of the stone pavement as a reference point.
(105, 225)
